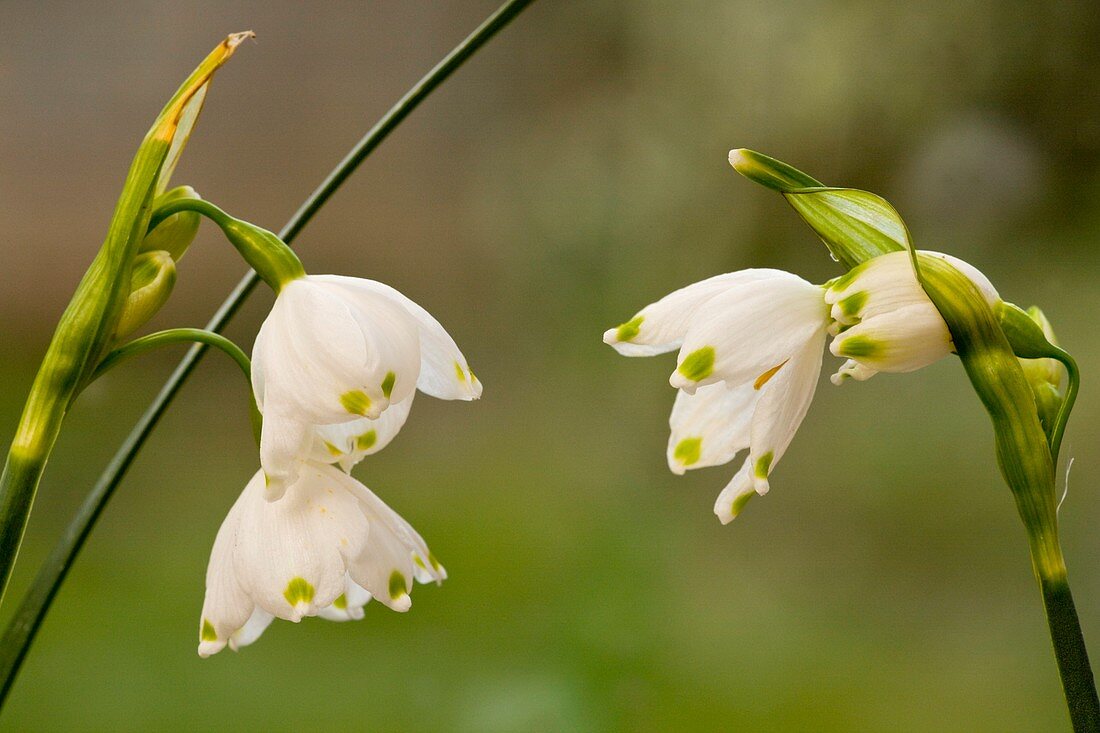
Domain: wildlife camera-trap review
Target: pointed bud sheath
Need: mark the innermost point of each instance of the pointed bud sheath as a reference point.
(88, 325)
(174, 234)
(994, 370)
(151, 281)
(855, 225)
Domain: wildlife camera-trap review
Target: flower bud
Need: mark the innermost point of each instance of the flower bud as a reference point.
(174, 234)
(151, 281)
(1032, 339)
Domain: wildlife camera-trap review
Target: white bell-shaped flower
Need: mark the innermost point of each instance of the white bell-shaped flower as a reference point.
(335, 350)
(325, 549)
(751, 344)
(885, 320)
(750, 351)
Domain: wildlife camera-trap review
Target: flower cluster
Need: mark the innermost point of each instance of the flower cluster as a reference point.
(750, 352)
(334, 370)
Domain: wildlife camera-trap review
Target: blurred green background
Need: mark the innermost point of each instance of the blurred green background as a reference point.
(574, 171)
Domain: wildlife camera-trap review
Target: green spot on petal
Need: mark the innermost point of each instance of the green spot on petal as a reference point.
(336, 452)
(366, 440)
(688, 450)
(397, 585)
(763, 465)
(853, 304)
(629, 330)
(341, 603)
(698, 365)
(860, 347)
(460, 372)
(846, 279)
(434, 563)
(208, 633)
(298, 591)
(356, 402)
(419, 562)
(387, 384)
(740, 502)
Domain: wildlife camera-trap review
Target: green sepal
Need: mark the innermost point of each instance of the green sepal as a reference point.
(151, 281)
(175, 233)
(855, 225)
(268, 255)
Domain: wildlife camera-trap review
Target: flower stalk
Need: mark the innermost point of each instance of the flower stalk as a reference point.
(1028, 413)
(87, 327)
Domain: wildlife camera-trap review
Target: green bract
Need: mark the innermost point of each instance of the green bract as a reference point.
(88, 326)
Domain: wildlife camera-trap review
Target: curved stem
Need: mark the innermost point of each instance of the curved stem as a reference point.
(176, 336)
(28, 618)
(1073, 385)
(188, 336)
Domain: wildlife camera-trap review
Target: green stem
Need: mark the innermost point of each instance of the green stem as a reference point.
(188, 336)
(1072, 386)
(1070, 652)
(28, 618)
(176, 336)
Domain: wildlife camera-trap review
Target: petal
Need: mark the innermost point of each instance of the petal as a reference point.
(444, 372)
(879, 285)
(292, 554)
(227, 606)
(660, 327)
(736, 494)
(852, 369)
(710, 426)
(326, 358)
(350, 442)
(898, 341)
(746, 332)
(395, 556)
(251, 631)
(349, 606)
(284, 443)
(781, 409)
(887, 283)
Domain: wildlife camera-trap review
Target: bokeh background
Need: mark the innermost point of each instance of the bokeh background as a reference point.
(574, 171)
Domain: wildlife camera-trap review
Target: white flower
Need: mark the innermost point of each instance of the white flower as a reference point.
(325, 549)
(751, 346)
(335, 350)
(885, 320)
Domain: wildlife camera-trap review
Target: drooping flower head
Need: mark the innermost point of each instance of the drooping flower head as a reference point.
(750, 352)
(335, 357)
(325, 549)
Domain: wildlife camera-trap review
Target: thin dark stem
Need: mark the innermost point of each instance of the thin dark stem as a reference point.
(28, 618)
(1073, 658)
